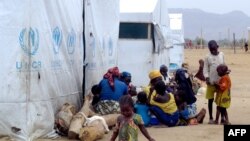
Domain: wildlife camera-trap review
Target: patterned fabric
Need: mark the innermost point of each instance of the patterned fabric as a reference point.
(105, 107)
(128, 129)
(223, 98)
(189, 112)
(184, 114)
(192, 110)
(112, 72)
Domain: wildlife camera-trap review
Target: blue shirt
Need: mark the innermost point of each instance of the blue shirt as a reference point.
(143, 110)
(108, 94)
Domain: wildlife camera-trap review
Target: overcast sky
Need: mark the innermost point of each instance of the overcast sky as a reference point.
(214, 6)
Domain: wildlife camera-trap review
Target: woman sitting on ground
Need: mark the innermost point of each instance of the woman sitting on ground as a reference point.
(186, 117)
(127, 79)
(163, 105)
(111, 91)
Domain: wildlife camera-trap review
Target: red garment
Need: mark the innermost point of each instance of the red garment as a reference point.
(112, 72)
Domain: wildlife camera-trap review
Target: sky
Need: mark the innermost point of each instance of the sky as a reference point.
(213, 6)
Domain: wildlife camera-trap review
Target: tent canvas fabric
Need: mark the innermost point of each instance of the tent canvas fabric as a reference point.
(41, 64)
(101, 35)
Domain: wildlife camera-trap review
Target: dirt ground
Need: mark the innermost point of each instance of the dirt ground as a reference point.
(238, 112)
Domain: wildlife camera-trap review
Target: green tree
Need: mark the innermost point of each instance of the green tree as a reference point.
(200, 41)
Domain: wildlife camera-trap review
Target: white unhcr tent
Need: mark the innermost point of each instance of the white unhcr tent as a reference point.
(101, 34)
(42, 58)
(41, 64)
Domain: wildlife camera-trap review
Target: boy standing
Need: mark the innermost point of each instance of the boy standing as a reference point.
(211, 62)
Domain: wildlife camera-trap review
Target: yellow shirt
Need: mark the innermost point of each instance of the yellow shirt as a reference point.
(168, 107)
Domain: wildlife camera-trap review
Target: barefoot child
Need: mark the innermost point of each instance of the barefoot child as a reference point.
(128, 122)
(223, 97)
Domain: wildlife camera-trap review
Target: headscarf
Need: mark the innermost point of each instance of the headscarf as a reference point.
(125, 74)
(154, 74)
(112, 72)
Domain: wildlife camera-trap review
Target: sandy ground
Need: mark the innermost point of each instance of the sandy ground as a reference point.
(238, 112)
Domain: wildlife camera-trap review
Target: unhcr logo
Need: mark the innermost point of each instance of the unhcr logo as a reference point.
(71, 42)
(57, 39)
(29, 40)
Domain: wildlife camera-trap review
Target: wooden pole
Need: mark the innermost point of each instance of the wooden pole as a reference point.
(201, 39)
(228, 32)
(248, 34)
(234, 42)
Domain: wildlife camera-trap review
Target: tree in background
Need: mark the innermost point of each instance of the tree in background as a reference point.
(200, 42)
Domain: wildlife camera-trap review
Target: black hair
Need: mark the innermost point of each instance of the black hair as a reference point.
(180, 94)
(163, 67)
(223, 69)
(212, 43)
(160, 87)
(96, 89)
(155, 80)
(142, 97)
(126, 99)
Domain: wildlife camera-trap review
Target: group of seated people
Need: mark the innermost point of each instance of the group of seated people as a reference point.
(170, 99)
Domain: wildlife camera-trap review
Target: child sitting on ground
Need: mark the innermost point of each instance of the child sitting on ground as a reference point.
(95, 89)
(142, 108)
(128, 122)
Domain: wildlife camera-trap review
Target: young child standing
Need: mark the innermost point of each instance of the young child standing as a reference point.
(142, 108)
(211, 62)
(223, 97)
(128, 122)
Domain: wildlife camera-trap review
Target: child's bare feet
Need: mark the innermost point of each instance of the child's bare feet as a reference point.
(192, 121)
(216, 122)
(211, 121)
(225, 123)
